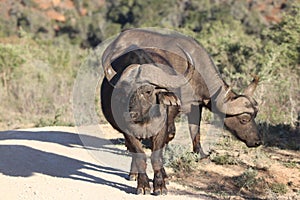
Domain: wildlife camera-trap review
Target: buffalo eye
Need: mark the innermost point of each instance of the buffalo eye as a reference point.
(244, 118)
(148, 92)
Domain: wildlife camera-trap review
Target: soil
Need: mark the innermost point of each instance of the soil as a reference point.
(93, 163)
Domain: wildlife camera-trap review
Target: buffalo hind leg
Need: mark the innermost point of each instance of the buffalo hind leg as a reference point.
(194, 118)
(139, 162)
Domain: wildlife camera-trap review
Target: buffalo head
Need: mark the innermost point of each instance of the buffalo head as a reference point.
(143, 105)
(240, 113)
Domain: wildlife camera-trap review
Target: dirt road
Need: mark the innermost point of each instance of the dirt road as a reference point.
(60, 163)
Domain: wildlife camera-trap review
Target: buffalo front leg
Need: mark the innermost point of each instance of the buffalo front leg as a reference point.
(194, 118)
(133, 173)
(160, 176)
(139, 163)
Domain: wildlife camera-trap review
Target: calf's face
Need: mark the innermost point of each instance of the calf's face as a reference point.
(142, 104)
(147, 102)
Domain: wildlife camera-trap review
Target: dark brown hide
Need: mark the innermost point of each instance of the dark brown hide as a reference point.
(171, 56)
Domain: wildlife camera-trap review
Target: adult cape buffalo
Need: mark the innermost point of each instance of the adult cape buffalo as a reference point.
(181, 78)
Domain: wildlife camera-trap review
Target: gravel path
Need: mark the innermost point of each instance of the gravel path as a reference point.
(52, 163)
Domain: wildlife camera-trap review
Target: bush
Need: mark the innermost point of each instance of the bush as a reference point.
(224, 160)
(247, 180)
(278, 188)
(180, 159)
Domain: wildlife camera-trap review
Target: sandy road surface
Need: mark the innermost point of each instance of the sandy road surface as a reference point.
(52, 163)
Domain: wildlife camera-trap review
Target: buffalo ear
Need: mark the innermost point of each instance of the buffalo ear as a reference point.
(249, 91)
(206, 101)
(168, 98)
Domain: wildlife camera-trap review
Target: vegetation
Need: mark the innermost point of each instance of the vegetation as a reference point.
(36, 81)
(55, 43)
(180, 159)
(279, 188)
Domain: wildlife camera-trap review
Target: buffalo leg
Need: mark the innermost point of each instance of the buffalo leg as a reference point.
(160, 176)
(194, 118)
(139, 162)
(171, 129)
(133, 173)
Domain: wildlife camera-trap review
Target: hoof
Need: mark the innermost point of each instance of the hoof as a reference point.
(158, 192)
(143, 191)
(140, 191)
(147, 191)
(204, 156)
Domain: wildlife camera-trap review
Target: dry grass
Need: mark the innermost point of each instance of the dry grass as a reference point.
(234, 171)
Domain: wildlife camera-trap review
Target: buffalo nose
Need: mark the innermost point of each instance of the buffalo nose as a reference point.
(134, 115)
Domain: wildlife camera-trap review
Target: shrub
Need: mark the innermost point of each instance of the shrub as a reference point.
(180, 159)
(247, 180)
(224, 160)
(278, 188)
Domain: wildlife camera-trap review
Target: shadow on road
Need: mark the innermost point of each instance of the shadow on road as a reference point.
(20, 160)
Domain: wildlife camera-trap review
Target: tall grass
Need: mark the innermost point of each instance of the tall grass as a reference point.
(36, 82)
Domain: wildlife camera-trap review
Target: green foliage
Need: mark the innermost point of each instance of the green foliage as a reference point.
(143, 13)
(47, 52)
(279, 188)
(285, 36)
(224, 160)
(278, 65)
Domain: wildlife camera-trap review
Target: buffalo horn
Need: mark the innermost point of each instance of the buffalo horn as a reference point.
(109, 72)
(252, 86)
(156, 76)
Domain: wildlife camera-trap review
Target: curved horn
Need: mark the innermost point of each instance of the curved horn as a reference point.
(155, 75)
(252, 86)
(109, 72)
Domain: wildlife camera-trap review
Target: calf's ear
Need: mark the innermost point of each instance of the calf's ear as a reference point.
(168, 98)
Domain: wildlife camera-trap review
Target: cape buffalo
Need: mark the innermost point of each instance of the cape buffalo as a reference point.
(150, 77)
